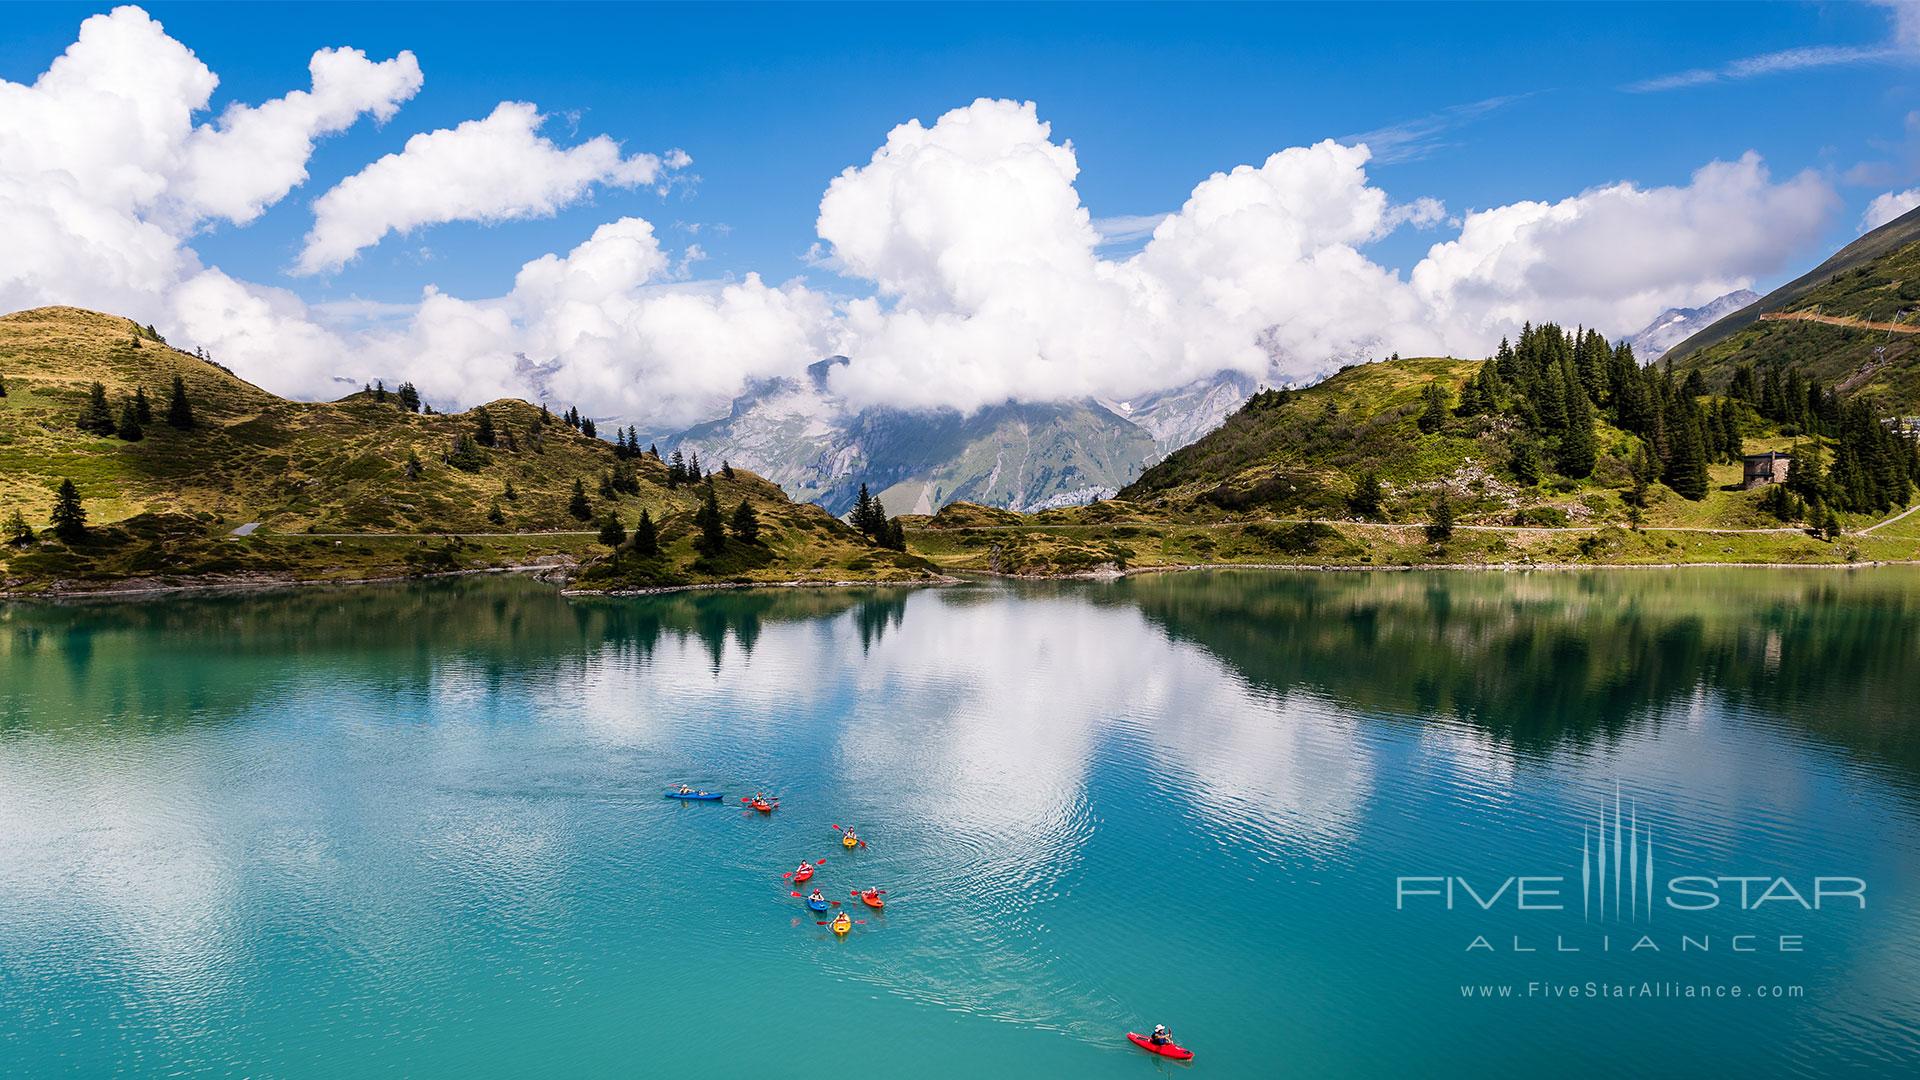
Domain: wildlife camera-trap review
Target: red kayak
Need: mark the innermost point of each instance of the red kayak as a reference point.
(763, 807)
(1177, 1053)
(802, 874)
(872, 900)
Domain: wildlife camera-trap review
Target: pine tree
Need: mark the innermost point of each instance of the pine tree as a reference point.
(483, 432)
(1641, 472)
(713, 529)
(862, 517)
(19, 533)
(1577, 448)
(646, 539)
(676, 470)
(380, 391)
(726, 469)
(896, 535)
(1440, 529)
(612, 533)
(745, 523)
(578, 505)
(1687, 461)
(413, 466)
(1525, 463)
(1435, 413)
(694, 475)
(409, 397)
(142, 408)
(495, 515)
(98, 417)
(586, 427)
(128, 427)
(69, 515)
(179, 409)
(508, 493)
(1365, 500)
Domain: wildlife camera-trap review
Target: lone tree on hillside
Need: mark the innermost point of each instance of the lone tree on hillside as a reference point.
(495, 515)
(483, 427)
(1365, 500)
(1440, 529)
(646, 538)
(142, 408)
(69, 515)
(98, 417)
(129, 426)
(713, 528)
(409, 397)
(578, 506)
(612, 533)
(1435, 413)
(179, 409)
(413, 466)
(19, 533)
(745, 523)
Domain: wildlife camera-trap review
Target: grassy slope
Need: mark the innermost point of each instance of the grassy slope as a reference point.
(1294, 466)
(1886, 240)
(1877, 278)
(306, 469)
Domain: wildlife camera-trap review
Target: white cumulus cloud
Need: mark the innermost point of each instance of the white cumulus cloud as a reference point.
(499, 168)
(1886, 207)
(104, 174)
(1615, 256)
(991, 286)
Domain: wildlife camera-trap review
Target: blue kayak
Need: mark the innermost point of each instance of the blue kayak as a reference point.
(697, 796)
(817, 905)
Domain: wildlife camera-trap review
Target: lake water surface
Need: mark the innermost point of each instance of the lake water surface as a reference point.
(418, 830)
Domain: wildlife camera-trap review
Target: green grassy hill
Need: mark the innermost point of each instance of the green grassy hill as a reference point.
(1276, 484)
(1875, 279)
(331, 487)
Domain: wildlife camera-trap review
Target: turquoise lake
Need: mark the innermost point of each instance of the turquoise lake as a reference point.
(418, 830)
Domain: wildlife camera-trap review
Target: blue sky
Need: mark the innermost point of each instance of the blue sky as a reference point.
(773, 101)
(1476, 106)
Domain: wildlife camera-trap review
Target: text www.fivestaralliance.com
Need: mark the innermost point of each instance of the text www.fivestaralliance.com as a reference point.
(1616, 991)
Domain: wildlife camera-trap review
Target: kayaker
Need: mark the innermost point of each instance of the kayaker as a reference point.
(804, 868)
(685, 790)
(816, 897)
(1161, 1036)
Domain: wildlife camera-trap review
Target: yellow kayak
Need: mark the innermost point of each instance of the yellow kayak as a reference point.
(849, 841)
(842, 924)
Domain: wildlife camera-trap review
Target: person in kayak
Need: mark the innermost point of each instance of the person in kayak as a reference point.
(804, 869)
(685, 790)
(1161, 1036)
(816, 897)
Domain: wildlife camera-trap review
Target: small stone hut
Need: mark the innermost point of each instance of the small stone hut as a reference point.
(1768, 468)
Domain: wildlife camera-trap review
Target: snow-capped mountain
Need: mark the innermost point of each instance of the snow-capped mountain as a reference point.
(798, 434)
(1676, 325)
